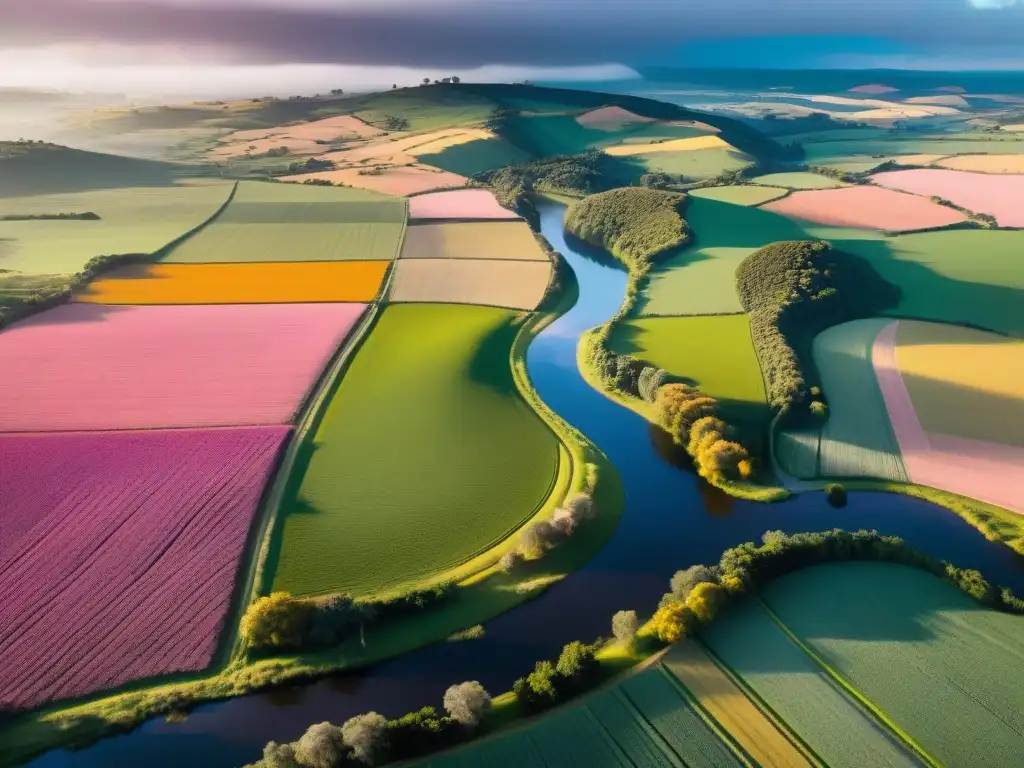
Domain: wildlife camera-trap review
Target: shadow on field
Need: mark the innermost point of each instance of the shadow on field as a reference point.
(489, 364)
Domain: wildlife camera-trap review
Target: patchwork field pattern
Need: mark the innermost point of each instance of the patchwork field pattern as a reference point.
(857, 440)
(119, 553)
(986, 163)
(400, 486)
(257, 283)
(467, 204)
(132, 220)
(995, 195)
(391, 180)
(92, 366)
(509, 240)
(512, 284)
(797, 690)
(919, 649)
(739, 195)
(798, 180)
(869, 207)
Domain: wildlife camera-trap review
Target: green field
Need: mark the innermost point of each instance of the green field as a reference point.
(798, 181)
(552, 135)
(857, 439)
(739, 195)
(477, 156)
(695, 164)
(292, 194)
(702, 279)
(426, 457)
(814, 153)
(713, 352)
(800, 693)
(643, 721)
(426, 109)
(132, 220)
(944, 669)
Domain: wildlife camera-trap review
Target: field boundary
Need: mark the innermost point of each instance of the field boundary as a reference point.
(869, 706)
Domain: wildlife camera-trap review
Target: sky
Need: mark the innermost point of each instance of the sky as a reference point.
(252, 47)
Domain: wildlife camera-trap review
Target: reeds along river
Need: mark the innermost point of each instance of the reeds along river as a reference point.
(672, 520)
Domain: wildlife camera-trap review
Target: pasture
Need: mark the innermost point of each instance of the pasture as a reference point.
(426, 457)
(713, 352)
(799, 692)
(426, 109)
(929, 656)
(557, 135)
(996, 195)
(276, 194)
(92, 366)
(986, 163)
(739, 195)
(867, 148)
(477, 156)
(120, 552)
(857, 439)
(256, 283)
(466, 204)
(868, 207)
(692, 161)
(132, 220)
(496, 283)
(391, 180)
(798, 180)
(512, 240)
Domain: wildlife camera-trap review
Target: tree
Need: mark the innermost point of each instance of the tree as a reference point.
(279, 756)
(456, 79)
(277, 620)
(624, 626)
(467, 703)
(819, 410)
(577, 662)
(337, 92)
(673, 622)
(394, 86)
(426, 81)
(705, 601)
(540, 684)
(683, 582)
(321, 746)
(536, 539)
(365, 736)
(510, 561)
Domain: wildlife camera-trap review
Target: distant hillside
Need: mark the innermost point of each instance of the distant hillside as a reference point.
(37, 168)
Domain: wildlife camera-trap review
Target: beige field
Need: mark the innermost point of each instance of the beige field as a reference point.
(963, 382)
(511, 284)
(916, 159)
(675, 145)
(984, 163)
(727, 704)
(405, 150)
(392, 180)
(300, 138)
(299, 147)
(1016, 127)
(510, 240)
(610, 118)
(947, 100)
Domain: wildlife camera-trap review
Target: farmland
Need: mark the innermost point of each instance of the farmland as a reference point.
(977, 192)
(509, 283)
(255, 283)
(132, 220)
(746, 195)
(511, 240)
(797, 180)
(800, 693)
(465, 204)
(919, 650)
(91, 366)
(713, 353)
(117, 568)
(868, 207)
(391, 180)
(399, 488)
(985, 163)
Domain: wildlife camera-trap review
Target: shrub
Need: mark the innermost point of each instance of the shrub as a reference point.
(684, 582)
(835, 494)
(625, 625)
(819, 410)
(537, 539)
(540, 690)
(321, 746)
(577, 665)
(279, 756)
(705, 601)
(420, 732)
(365, 735)
(510, 561)
(467, 703)
(673, 622)
(649, 382)
(277, 620)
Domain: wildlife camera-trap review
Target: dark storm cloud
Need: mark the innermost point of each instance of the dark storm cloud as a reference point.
(465, 33)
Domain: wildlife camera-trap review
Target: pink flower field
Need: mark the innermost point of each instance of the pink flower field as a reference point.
(999, 196)
(89, 367)
(119, 553)
(866, 208)
(458, 204)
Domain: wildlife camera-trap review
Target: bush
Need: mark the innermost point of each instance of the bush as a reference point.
(366, 736)
(467, 703)
(537, 539)
(819, 410)
(625, 625)
(684, 582)
(705, 601)
(835, 494)
(279, 756)
(276, 621)
(649, 382)
(321, 746)
(577, 665)
(418, 733)
(510, 561)
(672, 622)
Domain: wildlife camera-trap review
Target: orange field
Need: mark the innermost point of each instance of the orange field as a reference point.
(255, 283)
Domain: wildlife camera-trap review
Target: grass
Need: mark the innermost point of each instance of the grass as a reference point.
(943, 669)
(739, 195)
(696, 164)
(799, 692)
(816, 153)
(552, 135)
(857, 440)
(476, 156)
(797, 180)
(426, 109)
(426, 457)
(132, 220)
(713, 353)
(267, 192)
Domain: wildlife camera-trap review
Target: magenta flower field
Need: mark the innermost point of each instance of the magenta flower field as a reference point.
(87, 367)
(119, 553)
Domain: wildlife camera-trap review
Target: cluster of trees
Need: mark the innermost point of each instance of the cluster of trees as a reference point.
(538, 538)
(691, 417)
(573, 175)
(576, 669)
(279, 621)
(372, 739)
(311, 164)
(454, 80)
(791, 291)
(87, 216)
(394, 123)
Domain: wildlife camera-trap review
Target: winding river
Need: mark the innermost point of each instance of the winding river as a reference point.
(672, 519)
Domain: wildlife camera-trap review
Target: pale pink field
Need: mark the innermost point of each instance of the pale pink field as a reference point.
(91, 367)
(610, 118)
(458, 204)
(867, 208)
(403, 180)
(999, 196)
(874, 89)
(986, 471)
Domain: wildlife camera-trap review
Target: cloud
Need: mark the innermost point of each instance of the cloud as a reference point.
(992, 4)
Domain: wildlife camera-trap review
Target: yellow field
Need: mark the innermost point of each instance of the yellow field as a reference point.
(511, 284)
(963, 382)
(476, 240)
(675, 145)
(727, 704)
(985, 163)
(255, 283)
